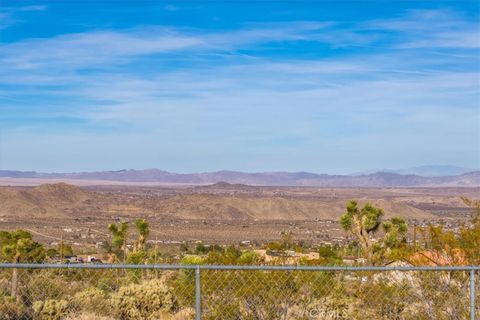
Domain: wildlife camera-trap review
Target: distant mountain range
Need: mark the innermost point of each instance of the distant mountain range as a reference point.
(425, 171)
(152, 176)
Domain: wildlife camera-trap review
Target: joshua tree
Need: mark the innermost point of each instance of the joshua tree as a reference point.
(143, 232)
(366, 221)
(119, 237)
(395, 232)
(361, 223)
(394, 243)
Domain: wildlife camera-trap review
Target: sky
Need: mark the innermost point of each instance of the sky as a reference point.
(319, 86)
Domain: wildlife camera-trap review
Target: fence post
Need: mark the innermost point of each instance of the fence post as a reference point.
(472, 294)
(198, 303)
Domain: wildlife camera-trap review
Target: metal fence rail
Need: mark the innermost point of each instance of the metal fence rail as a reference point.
(115, 291)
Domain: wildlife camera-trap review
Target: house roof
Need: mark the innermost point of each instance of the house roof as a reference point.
(438, 258)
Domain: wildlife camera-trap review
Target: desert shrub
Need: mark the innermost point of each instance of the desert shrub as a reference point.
(110, 282)
(249, 257)
(137, 257)
(93, 300)
(5, 281)
(45, 284)
(442, 296)
(51, 309)
(192, 260)
(384, 299)
(249, 294)
(10, 309)
(147, 300)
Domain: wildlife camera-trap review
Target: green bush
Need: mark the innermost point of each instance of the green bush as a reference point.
(10, 309)
(51, 309)
(93, 300)
(148, 300)
(47, 284)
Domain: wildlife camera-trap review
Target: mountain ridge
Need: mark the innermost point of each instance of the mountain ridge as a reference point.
(279, 178)
(424, 171)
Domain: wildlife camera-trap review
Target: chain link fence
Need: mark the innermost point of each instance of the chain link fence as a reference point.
(237, 292)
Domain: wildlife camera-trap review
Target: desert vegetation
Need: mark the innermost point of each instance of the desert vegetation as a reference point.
(250, 294)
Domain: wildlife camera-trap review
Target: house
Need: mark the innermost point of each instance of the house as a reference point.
(89, 259)
(92, 259)
(66, 259)
(351, 260)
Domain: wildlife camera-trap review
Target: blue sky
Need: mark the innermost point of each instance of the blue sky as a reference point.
(321, 86)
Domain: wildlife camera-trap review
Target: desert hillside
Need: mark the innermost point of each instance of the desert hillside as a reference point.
(272, 208)
(48, 200)
(63, 200)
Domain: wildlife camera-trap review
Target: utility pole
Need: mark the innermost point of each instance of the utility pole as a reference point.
(414, 237)
(61, 249)
(156, 253)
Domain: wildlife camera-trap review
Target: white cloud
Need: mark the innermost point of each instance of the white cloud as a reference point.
(8, 14)
(89, 49)
(394, 100)
(459, 39)
(85, 50)
(417, 29)
(432, 29)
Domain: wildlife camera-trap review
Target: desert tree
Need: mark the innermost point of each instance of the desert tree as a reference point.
(395, 231)
(143, 230)
(287, 240)
(139, 254)
(19, 247)
(394, 242)
(361, 223)
(365, 221)
(119, 238)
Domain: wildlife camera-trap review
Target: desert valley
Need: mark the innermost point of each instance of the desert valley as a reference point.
(221, 212)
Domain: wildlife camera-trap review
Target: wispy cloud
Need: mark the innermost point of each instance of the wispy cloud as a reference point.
(112, 47)
(432, 29)
(416, 29)
(8, 14)
(93, 48)
(182, 90)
